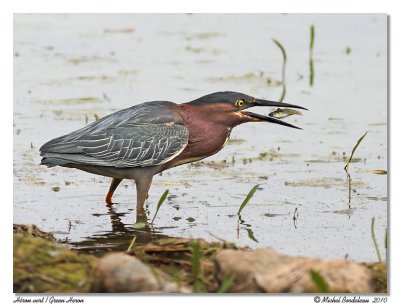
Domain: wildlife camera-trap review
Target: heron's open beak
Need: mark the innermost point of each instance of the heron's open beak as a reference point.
(257, 117)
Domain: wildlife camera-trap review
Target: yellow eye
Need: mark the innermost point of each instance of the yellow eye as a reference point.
(239, 103)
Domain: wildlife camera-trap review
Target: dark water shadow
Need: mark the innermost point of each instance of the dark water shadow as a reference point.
(119, 238)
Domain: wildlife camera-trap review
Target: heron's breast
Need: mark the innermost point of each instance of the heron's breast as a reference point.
(205, 141)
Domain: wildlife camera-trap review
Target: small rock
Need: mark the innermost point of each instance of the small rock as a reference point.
(123, 273)
(120, 272)
(264, 270)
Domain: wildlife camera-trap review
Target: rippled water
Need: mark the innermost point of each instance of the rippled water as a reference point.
(68, 69)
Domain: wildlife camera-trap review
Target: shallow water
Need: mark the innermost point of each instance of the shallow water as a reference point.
(68, 69)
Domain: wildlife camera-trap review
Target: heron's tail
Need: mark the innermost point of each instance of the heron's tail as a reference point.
(53, 161)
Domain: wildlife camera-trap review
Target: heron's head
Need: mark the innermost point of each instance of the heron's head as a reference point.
(230, 107)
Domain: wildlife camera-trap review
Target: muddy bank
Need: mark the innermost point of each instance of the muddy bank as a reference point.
(176, 265)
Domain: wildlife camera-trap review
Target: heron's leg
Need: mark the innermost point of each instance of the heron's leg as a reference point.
(114, 184)
(142, 189)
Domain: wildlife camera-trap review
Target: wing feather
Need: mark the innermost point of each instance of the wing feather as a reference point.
(147, 134)
(126, 146)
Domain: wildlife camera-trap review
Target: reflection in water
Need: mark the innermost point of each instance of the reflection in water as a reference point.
(312, 32)
(247, 228)
(283, 68)
(295, 217)
(120, 236)
(251, 234)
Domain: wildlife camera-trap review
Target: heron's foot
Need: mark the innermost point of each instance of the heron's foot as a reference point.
(114, 184)
(109, 199)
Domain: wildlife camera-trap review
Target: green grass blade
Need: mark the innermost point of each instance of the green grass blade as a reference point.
(160, 201)
(247, 199)
(312, 35)
(346, 168)
(227, 282)
(320, 282)
(378, 253)
(131, 244)
(194, 247)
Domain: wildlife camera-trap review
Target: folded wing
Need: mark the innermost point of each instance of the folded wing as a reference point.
(120, 140)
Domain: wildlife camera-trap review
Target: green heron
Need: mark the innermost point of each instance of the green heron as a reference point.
(143, 140)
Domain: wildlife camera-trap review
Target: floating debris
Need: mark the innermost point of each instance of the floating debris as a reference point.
(376, 171)
(139, 225)
(123, 30)
(72, 101)
(325, 182)
(203, 35)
